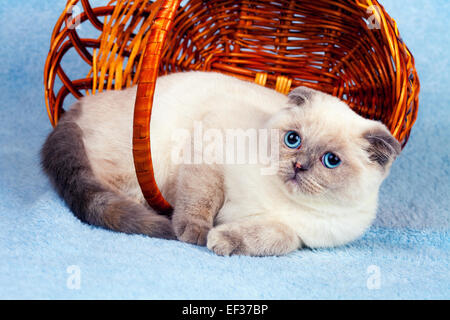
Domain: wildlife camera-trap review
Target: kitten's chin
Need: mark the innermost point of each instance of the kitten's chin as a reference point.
(292, 186)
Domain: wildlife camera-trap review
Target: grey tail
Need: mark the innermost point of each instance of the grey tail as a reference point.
(64, 160)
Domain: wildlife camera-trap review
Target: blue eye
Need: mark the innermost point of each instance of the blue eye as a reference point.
(330, 160)
(292, 139)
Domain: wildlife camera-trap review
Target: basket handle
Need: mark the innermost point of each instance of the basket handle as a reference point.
(144, 103)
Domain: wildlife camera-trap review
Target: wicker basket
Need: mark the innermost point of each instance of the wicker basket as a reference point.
(351, 49)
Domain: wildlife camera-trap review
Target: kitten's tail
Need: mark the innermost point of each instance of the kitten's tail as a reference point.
(64, 159)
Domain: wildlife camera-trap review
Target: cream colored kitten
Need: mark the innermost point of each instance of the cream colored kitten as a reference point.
(322, 190)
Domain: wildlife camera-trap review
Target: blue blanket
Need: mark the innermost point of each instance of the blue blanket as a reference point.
(45, 252)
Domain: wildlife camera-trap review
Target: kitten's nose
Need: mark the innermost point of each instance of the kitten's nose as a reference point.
(299, 167)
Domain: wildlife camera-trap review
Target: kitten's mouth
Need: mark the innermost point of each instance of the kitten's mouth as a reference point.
(293, 178)
(296, 184)
(293, 181)
(293, 186)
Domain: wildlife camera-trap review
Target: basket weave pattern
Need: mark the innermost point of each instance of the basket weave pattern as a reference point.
(350, 49)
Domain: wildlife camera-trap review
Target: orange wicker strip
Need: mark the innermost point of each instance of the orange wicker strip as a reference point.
(144, 102)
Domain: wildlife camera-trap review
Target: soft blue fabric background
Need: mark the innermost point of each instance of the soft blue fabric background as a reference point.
(40, 238)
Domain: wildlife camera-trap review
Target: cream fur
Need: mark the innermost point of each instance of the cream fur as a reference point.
(224, 102)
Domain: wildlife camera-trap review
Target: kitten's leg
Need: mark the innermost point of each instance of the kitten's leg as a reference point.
(254, 237)
(199, 196)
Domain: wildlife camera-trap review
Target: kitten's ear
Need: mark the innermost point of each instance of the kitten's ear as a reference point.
(300, 95)
(383, 148)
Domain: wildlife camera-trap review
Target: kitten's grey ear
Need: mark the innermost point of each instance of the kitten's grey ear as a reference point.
(300, 95)
(383, 147)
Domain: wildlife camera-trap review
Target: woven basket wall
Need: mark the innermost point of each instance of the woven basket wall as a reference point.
(351, 49)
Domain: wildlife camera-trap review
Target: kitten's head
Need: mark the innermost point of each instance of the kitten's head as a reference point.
(329, 152)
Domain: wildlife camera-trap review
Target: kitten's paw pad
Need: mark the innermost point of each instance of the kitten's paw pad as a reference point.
(224, 242)
(192, 232)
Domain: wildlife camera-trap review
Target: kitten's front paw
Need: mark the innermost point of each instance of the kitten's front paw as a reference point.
(194, 232)
(225, 242)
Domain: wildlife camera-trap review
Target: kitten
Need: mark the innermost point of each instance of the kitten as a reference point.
(323, 192)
